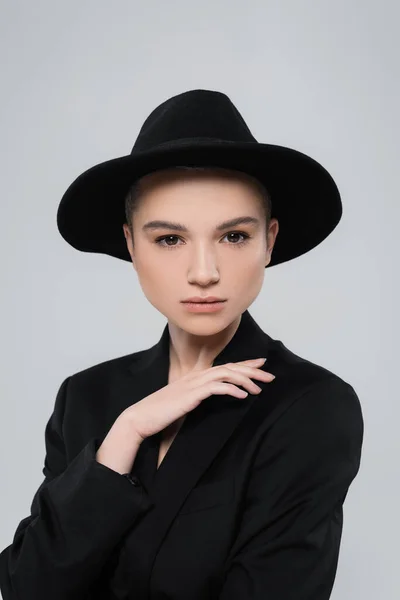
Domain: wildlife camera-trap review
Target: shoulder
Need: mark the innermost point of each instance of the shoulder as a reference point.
(310, 395)
(300, 372)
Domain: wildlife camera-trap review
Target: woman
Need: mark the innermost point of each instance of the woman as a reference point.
(186, 470)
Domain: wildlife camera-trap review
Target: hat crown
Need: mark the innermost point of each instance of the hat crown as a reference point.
(200, 114)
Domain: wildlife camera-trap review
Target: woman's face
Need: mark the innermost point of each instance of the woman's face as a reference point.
(173, 265)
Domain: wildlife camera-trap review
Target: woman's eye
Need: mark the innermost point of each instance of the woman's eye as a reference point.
(244, 235)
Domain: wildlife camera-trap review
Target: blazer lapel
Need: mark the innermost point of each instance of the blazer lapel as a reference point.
(203, 434)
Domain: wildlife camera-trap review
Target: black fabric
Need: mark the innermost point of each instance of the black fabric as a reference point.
(247, 504)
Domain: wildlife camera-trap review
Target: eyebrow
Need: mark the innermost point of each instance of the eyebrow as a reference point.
(153, 225)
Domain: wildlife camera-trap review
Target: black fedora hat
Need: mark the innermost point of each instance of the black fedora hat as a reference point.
(202, 127)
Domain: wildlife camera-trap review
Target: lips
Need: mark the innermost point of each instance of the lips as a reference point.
(200, 300)
(203, 301)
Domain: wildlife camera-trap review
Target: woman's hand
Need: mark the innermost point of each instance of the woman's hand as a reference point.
(165, 406)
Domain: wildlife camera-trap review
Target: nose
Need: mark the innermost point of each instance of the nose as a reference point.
(203, 267)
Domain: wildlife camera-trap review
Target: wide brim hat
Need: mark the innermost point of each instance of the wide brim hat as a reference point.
(202, 128)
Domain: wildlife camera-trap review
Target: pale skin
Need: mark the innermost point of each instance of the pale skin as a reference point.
(199, 261)
(202, 262)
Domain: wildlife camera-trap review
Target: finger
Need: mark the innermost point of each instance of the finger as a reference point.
(251, 361)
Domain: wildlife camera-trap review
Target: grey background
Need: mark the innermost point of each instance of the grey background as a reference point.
(78, 80)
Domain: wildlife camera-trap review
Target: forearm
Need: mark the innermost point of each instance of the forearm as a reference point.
(120, 446)
(77, 519)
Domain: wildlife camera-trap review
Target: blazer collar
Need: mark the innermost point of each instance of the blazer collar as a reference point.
(206, 428)
(203, 434)
(247, 342)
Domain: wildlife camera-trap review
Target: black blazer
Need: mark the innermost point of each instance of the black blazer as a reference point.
(246, 505)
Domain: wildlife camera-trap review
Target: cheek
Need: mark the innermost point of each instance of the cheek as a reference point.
(248, 259)
(250, 272)
(250, 276)
(155, 276)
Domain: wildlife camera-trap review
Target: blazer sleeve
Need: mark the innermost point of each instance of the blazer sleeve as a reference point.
(288, 538)
(78, 515)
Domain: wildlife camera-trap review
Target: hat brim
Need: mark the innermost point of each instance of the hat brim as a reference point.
(305, 198)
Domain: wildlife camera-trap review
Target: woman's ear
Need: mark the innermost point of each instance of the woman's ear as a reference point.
(271, 237)
(129, 242)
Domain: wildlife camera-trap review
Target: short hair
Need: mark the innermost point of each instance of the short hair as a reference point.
(133, 195)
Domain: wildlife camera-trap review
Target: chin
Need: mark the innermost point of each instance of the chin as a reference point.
(204, 323)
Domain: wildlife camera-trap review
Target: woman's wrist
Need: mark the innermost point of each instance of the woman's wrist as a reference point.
(120, 446)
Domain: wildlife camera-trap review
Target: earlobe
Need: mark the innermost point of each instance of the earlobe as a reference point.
(128, 240)
(272, 235)
(269, 253)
